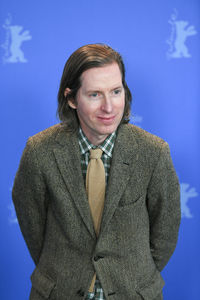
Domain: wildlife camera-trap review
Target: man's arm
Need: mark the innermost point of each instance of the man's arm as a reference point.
(29, 197)
(163, 202)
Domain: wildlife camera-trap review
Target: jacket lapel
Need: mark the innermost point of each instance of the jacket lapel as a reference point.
(67, 155)
(124, 164)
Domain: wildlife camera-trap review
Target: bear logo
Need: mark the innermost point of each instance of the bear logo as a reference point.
(15, 36)
(186, 194)
(180, 31)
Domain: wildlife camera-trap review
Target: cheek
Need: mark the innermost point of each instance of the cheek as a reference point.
(120, 104)
(86, 110)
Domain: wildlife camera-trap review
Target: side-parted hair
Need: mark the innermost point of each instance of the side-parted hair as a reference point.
(84, 58)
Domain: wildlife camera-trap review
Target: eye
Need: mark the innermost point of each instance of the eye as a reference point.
(117, 91)
(94, 95)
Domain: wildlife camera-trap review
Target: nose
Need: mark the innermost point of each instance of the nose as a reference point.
(107, 104)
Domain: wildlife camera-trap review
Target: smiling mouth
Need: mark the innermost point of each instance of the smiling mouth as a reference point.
(107, 120)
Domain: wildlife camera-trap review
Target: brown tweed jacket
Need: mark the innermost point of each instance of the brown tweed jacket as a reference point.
(139, 225)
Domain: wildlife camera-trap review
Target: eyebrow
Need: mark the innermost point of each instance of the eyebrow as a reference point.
(98, 90)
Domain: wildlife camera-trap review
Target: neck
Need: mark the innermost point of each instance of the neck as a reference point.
(96, 140)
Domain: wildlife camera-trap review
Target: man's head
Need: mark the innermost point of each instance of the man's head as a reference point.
(88, 57)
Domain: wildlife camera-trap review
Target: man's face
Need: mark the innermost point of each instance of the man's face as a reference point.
(100, 102)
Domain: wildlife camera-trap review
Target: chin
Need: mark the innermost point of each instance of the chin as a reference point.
(109, 130)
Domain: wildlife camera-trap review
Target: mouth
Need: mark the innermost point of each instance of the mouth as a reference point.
(106, 120)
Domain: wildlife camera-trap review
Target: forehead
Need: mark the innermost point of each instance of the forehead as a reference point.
(108, 76)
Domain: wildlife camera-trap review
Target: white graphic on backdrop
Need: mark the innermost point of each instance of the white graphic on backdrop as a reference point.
(180, 31)
(12, 219)
(15, 36)
(136, 120)
(186, 193)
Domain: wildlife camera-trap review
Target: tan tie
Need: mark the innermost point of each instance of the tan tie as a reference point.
(95, 187)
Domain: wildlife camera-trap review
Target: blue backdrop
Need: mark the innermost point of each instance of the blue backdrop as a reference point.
(159, 41)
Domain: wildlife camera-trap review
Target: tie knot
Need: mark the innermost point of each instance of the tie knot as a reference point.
(95, 153)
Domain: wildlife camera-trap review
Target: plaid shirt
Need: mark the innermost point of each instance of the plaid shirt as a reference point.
(107, 148)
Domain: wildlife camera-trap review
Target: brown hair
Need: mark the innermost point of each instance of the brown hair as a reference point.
(84, 58)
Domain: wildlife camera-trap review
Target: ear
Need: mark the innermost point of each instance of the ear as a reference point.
(67, 91)
(70, 101)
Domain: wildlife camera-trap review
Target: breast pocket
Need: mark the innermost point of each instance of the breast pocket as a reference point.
(131, 221)
(125, 218)
(127, 201)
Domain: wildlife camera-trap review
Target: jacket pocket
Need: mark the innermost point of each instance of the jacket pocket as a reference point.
(153, 288)
(42, 283)
(126, 201)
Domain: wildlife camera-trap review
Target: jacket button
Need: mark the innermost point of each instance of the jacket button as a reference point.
(97, 257)
(80, 293)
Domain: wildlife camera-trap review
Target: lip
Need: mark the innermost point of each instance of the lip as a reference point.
(106, 120)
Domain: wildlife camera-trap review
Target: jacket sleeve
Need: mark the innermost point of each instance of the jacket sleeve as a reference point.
(163, 202)
(29, 197)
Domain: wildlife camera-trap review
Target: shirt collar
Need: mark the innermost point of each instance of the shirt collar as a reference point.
(106, 146)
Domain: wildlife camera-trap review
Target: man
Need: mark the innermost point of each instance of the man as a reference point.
(111, 245)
